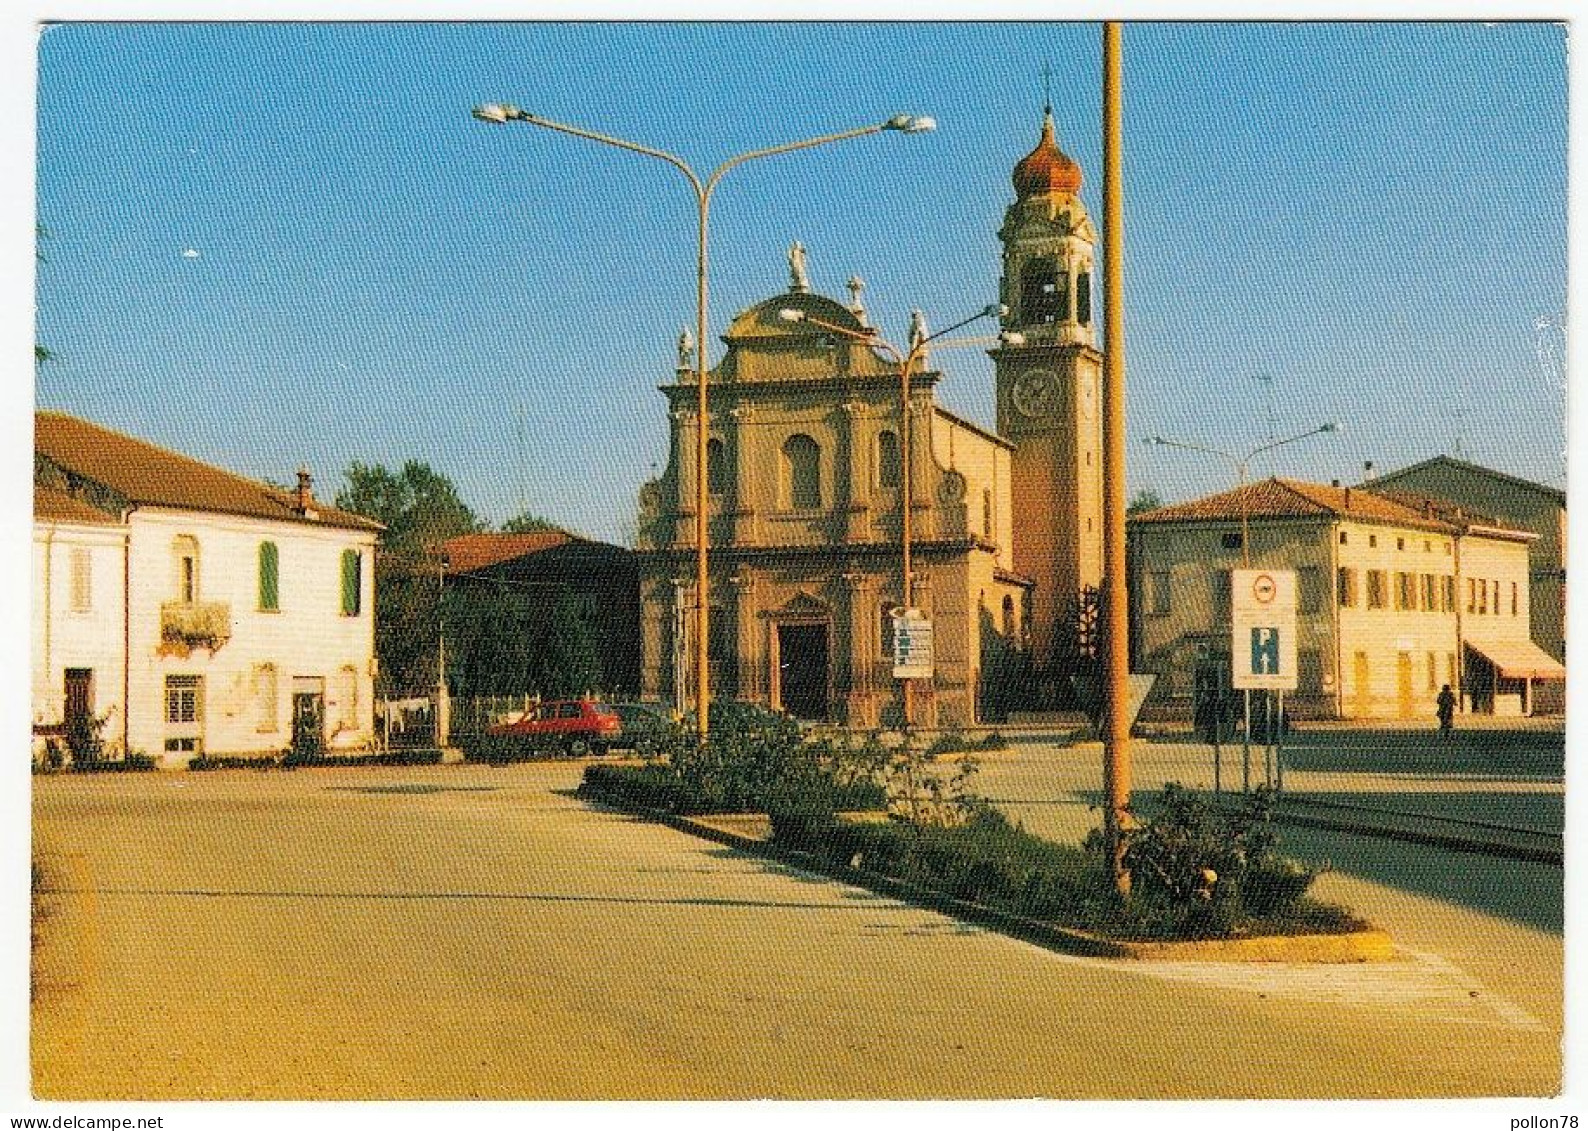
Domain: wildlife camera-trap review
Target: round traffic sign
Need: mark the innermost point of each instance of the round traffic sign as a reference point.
(1264, 589)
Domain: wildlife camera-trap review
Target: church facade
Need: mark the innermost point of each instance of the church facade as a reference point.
(807, 433)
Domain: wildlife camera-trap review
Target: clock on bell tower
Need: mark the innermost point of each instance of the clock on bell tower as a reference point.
(1048, 386)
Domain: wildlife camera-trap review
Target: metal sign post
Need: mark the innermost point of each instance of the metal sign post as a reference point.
(1262, 645)
(1279, 749)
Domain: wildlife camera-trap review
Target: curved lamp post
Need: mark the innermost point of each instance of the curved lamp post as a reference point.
(1241, 462)
(502, 113)
(907, 361)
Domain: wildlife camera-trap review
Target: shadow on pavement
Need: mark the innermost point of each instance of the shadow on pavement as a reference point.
(1524, 892)
(1499, 753)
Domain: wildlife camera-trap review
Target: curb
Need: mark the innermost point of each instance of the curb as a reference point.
(1358, 946)
(1554, 856)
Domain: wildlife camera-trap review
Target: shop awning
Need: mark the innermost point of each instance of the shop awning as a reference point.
(1519, 659)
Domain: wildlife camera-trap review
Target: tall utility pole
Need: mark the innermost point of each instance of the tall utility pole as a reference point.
(1116, 736)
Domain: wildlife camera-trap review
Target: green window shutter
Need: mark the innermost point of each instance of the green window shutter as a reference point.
(350, 583)
(269, 573)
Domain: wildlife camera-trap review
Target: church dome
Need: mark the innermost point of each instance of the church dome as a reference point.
(1046, 169)
(765, 319)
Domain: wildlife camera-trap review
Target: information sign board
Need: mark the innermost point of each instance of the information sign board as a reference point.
(912, 645)
(1263, 629)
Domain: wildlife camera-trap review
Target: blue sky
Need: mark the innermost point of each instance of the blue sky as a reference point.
(1371, 216)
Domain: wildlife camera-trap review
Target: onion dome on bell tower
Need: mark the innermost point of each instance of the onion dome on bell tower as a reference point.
(1047, 169)
(1049, 247)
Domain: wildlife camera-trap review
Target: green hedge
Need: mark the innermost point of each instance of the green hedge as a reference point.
(992, 863)
(288, 762)
(132, 763)
(986, 861)
(662, 788)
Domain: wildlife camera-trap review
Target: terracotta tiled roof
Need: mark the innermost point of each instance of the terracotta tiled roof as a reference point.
(1290, 498)
(468, 553)
(53, 505)
(142, 473)
(1441, 509)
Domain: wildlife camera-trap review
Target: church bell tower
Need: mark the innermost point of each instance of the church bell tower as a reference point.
(1048, 386)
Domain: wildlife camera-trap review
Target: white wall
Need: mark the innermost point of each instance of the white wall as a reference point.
(65, 637)
(308, 637)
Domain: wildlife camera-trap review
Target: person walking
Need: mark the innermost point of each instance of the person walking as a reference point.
(1447, 712)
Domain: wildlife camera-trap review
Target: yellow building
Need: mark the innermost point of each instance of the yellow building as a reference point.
(1394, 600)
(1515, 502)
(804, 449)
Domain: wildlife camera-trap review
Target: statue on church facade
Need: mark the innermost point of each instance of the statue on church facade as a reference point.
(918, 330)
(856, 285)
(798, 281)
(686, 349)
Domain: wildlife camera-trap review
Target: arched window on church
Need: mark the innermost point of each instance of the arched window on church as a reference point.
(888, 464)
(1044, 292)
(1083, 297)
(800, 484)
(716, 467)
(1009, 618)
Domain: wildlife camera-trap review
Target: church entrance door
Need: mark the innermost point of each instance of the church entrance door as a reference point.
(802, 668)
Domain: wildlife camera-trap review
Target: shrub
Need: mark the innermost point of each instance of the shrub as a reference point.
(85, 738)
(990, 862)
(1198, 870)
(288, 761)
(207, 762)
(132, 763)
(985, 861)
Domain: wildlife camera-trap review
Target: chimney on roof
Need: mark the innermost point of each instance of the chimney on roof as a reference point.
(1334, 482)
(303, 501)
(1348, 498)
(1367, 471)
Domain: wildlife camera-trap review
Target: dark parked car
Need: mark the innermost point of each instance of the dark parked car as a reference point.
(640, 720)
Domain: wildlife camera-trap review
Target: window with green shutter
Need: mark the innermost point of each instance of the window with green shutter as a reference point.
(352, 590)
(269, 575)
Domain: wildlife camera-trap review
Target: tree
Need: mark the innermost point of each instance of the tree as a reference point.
(506, 639)
(420, 509)
(526, 523)
(1145, 500)
(567, 661)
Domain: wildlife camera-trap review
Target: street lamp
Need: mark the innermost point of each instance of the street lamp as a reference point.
(1241, 462)
(906, 360)
(498, 113)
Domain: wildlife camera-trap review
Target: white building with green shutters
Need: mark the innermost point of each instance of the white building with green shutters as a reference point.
(195, 611)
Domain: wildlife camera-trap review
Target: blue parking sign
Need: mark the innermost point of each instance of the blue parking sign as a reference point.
(1265, 650)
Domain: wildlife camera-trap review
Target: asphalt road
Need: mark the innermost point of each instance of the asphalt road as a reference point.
(459, 932)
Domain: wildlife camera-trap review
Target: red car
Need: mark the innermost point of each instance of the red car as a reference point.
(583, 724)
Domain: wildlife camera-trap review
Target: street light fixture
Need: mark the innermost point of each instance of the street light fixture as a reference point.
(500, 113)
(1241, 462)
(906, 360)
